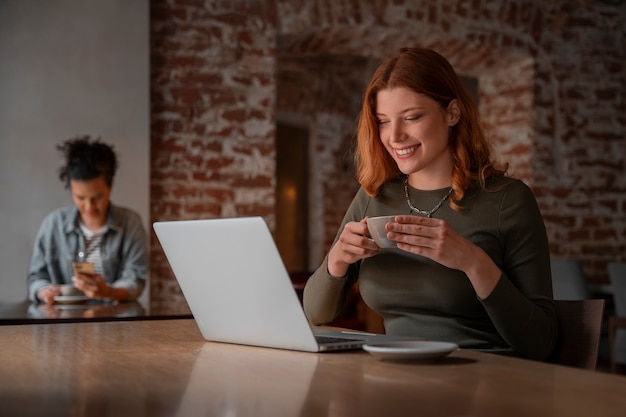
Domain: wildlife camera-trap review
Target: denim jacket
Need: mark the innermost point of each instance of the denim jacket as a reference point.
(124, 251)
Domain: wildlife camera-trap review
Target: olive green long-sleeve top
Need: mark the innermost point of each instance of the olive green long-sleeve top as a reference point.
(419, 297)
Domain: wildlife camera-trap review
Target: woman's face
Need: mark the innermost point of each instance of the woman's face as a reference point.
(414, 130)
(92, 200)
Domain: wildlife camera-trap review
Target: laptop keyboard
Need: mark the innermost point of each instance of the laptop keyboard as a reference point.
(330, 339)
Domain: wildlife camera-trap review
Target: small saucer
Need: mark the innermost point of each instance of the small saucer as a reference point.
(412, 350)
(71, 299)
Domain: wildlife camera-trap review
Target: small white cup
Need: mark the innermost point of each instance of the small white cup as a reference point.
(376, 226)
(70, 290)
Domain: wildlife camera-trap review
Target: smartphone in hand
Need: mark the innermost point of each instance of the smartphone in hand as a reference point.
(84, 268)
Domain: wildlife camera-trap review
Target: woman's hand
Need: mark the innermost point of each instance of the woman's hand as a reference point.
(432, 238)
(436, 240)
(93, 285)
(353, 244)
(48, 293)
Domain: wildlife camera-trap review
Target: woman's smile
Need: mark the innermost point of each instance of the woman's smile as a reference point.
(403, 152)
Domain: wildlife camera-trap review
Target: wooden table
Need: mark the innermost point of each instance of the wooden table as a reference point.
(164, 368)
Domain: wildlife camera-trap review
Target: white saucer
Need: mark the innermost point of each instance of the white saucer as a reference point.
(70, 299)
(410, 350)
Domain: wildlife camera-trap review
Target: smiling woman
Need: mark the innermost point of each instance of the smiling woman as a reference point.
(475, 271)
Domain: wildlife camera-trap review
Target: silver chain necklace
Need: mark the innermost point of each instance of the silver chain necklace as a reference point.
(423, 212)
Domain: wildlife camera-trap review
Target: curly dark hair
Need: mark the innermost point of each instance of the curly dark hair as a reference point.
(86, 159)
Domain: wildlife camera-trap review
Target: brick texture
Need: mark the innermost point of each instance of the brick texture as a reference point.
(213, 90)
(552, 86)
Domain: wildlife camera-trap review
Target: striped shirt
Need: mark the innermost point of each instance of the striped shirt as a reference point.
(93, 247)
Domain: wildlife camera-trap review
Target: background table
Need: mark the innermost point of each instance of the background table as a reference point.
(25, 312)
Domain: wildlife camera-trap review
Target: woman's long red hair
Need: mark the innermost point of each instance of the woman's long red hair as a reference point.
(430, 74)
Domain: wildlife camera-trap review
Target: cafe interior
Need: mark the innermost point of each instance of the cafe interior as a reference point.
(241, 108)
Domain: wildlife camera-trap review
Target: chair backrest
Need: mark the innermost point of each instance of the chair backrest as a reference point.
(580, 322)
(617, 274)
(568, 280)
(617, 325)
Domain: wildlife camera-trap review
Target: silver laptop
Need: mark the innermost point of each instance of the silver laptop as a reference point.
(237, 287)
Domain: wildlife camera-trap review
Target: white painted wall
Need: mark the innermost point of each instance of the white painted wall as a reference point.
(67, 67)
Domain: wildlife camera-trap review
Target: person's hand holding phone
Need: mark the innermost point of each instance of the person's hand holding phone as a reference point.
(88, 281)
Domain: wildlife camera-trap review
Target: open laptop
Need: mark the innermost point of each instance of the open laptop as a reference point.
(238, 289)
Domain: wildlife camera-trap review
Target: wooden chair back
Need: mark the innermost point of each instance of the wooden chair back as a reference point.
(580, 323)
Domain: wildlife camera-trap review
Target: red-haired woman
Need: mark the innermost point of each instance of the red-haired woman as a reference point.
(472, 264)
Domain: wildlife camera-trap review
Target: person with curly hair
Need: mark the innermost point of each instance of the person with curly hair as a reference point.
(111, 238)
(470, 262)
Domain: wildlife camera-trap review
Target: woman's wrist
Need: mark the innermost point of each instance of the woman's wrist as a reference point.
(483, 273)
(336, 269)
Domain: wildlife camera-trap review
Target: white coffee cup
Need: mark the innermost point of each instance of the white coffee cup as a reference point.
(376, 226)
(70, 290)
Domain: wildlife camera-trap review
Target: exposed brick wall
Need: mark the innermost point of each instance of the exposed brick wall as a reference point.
(552, 83)
(213, 97)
